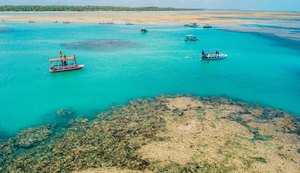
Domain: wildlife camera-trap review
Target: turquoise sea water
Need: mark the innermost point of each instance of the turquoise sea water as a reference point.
(263, 70)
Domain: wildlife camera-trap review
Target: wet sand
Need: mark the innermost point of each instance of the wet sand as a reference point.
(228, 20)
(164, 134)
(143, 17)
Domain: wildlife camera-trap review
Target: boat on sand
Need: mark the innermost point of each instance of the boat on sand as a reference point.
(207, 26)
(192, 25)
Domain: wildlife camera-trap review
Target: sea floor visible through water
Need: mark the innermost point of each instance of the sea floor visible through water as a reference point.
(122, 64)
(162, 134)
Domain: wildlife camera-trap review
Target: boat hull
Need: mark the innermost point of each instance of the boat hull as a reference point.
(189, 40)
(78, 67)
(220, 57)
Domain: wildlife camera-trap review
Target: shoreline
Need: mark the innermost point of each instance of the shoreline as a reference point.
(141, 17)
(278, 23)
(170, 128)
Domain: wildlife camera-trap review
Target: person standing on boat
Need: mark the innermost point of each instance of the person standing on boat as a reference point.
(60, 57)
(75, 60)
(65, 60)
(217, 53)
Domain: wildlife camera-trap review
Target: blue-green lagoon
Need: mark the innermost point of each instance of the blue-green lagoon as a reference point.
(126, 65)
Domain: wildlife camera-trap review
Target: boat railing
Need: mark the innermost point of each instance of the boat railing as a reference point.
(213, 56)
(69, 66)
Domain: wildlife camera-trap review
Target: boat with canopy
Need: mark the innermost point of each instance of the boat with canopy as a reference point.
(190, 38)
(207, 26)
(192, 25)
(208, 56)
(63, 64)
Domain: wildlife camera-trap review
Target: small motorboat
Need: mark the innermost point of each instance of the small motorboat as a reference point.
(207, 26)
(192, 25)
(207, 56)
(190, 38)
(106, 23)
(129, 23)
(144, 30)
(63, 64)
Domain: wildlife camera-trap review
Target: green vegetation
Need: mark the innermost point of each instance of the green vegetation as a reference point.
(260, 159)
(85, 8)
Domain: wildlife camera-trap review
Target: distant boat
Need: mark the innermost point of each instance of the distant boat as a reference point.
(110, 23)
(106, 23)
(207, 56)
(31, 21)
(192, 25)
(190, 38)
(63, 64)
(207, 26)
(144, 30)
(128, 23)
(66, 22)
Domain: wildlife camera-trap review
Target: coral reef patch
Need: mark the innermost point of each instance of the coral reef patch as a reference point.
(164, 134)
(32, 136)
(103, 45)
(5, 29)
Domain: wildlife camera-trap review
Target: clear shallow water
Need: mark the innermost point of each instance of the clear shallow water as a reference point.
(259, 69)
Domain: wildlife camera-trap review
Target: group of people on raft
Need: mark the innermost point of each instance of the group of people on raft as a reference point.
(213, 56)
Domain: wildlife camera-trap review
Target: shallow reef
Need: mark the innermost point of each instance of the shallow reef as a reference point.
(163, 134)
(5, 29)
(103, 45)
(32, 136)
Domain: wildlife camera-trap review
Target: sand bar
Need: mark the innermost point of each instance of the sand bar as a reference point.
(145, 17)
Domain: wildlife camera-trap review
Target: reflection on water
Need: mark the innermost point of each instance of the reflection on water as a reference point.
(103, 45)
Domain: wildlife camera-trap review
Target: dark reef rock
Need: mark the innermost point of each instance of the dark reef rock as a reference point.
(103, 45)
(64, 113)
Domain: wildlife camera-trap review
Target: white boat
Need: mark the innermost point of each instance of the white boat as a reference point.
(207, 26)
(207, 56)
(190, 38)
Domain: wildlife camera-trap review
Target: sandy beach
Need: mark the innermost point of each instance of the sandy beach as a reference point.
(228, 20)
(143, 17)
